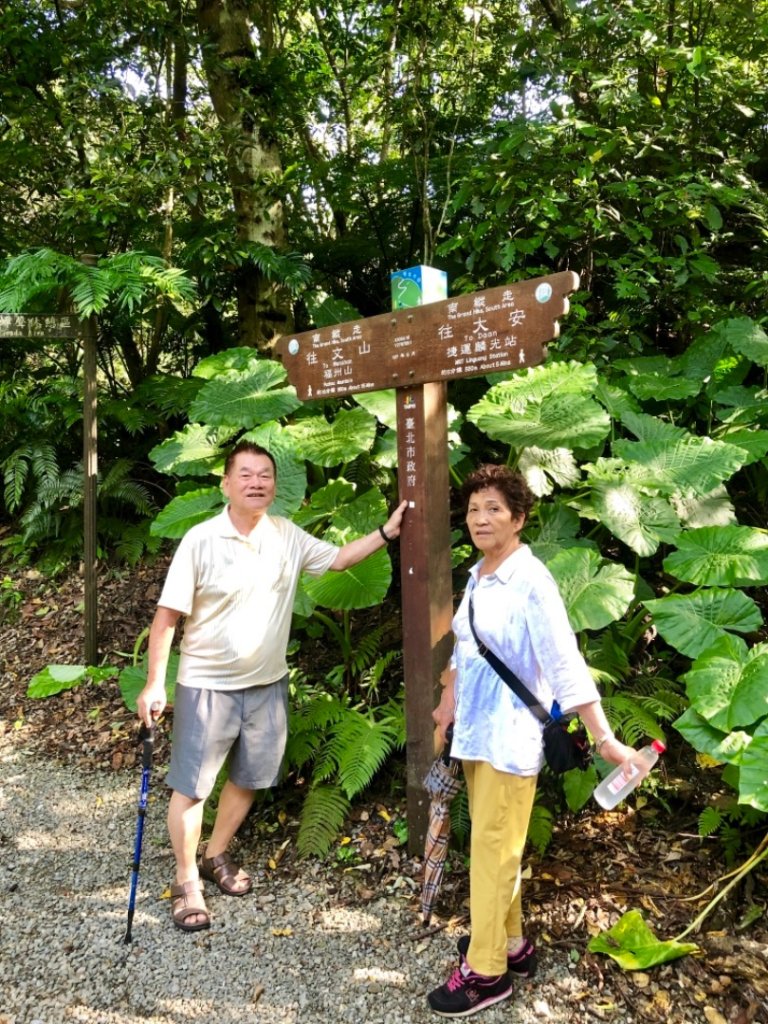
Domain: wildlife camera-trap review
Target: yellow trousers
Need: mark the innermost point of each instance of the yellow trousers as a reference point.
(500, 807)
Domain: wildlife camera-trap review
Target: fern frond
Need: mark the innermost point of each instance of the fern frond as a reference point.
(362, 757)
(710, 821)
(540, 827)
(321, 820)
(630, 719)
(461, 823)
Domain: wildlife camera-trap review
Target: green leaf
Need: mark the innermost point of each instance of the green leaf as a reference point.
(745, 337)
(362, 586)
(351, 433)
(711, 741)
(753, 775)
(132, 680)
(185, 511)
(547, 407)
(640, 519)
(193, 451)
(594, 594)
(381, 404)
(55, 679)
(634, 947)
(246, 399)
(326, 310)
(693, 622)
(699, 510)
(322, 816)
(231, 361)
(696, 463)
(543, 469)
(721, 556)
(728, 684)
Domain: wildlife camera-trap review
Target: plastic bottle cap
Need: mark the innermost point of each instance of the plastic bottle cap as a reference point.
(658, 746)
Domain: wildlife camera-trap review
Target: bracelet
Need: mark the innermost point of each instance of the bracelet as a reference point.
(385, 538)
(602, 740)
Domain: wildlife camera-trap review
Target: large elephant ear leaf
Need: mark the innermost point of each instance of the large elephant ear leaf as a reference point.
(362, 586)
(547, 407)
(720, 556)
(640, 519)
(230, 361)
(594, 595)
(187, 510)
(728, 684)
(745, 337)
(695, 463)
(753, 771)
(543, 469)
(705, 738)
(193, 451)
(563, 420)
(693, 622)
(245, 398)
(366, 583)
(351, 433)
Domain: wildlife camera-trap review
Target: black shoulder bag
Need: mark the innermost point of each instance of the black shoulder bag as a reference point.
(564, 747)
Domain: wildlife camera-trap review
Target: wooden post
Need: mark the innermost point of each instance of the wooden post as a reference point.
(90, 471)
(425, 553)
(425, 574)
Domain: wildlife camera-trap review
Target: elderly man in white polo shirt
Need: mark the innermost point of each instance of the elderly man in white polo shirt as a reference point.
(234, 578)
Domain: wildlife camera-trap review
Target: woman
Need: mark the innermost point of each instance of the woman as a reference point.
(520, 616)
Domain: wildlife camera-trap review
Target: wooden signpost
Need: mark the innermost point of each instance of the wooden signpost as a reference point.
(417, 351)
(27, 327)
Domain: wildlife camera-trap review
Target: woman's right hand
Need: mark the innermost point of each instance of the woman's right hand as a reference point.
(443, 717)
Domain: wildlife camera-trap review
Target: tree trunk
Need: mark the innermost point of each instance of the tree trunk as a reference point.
(242, 97)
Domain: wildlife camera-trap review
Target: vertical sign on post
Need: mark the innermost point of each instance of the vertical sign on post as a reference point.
(425, 550)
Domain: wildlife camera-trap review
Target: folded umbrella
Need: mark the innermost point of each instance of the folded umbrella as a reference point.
(442, 782)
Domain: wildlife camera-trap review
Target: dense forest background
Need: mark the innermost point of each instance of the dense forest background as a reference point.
(237, 169)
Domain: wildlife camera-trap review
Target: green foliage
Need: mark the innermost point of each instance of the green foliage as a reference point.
(57, 678)
(339, 748)
(634, 947)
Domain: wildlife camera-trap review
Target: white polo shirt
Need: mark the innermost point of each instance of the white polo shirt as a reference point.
(237, 593)
(520, 616)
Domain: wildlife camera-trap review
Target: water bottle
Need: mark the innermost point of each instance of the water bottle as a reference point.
(615, 786)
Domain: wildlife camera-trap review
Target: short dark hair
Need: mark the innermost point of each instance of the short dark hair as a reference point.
(253, 449)
(508, 482)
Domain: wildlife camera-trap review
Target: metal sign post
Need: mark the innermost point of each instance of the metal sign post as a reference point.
(417, 351)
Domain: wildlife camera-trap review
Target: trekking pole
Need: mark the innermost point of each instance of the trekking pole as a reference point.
(147, 736)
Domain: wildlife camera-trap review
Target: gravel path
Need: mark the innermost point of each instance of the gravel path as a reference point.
(290, 952)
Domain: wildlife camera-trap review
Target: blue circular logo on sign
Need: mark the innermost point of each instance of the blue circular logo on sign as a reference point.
(293, 346)
(544, 292)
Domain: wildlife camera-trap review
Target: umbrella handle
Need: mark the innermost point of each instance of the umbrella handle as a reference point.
(446, 754)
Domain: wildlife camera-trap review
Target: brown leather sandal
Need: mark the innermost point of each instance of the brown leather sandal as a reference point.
(187, 901)
(222, 871)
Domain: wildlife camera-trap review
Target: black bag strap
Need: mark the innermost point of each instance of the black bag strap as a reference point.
(506, 673)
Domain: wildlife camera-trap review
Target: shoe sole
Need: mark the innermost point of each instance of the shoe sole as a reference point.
(476, 1009)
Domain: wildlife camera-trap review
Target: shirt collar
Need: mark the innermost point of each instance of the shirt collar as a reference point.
(511, 564)
(228, 529)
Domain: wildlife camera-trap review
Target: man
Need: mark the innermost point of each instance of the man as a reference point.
(234, 577)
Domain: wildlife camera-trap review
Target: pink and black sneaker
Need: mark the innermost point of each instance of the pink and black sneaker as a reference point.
(466, 993)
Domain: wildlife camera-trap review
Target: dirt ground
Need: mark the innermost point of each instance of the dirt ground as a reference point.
(599, 865)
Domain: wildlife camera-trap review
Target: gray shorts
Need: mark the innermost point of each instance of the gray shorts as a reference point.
(251, 726)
